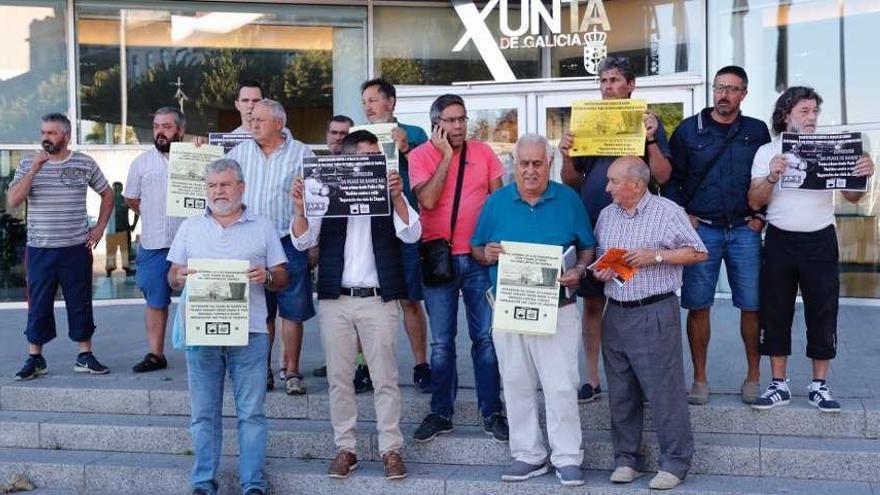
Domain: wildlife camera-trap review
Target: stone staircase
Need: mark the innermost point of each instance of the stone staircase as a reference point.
(91, 435)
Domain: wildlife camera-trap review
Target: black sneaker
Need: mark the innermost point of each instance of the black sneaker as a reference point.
(87, 363)
(320, 371)
(422, 378)
(821, 397)
(588, 394)
(151, 362)
(34, 366)
(270, 380)
(496, 427)
(431, 426)
(777, 394)
(362, 381)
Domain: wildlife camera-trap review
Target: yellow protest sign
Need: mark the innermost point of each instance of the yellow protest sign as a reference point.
(608, 127)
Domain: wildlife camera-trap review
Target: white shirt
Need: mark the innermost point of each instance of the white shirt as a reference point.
(793, 209)
(148, 181)
(359, 268)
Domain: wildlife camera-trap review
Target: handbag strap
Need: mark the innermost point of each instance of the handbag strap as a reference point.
(458, 183)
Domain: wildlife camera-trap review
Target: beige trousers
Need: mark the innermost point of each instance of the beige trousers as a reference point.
(343, 320)
(527, 361)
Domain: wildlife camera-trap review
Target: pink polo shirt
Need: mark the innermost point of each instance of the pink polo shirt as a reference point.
(481, 167)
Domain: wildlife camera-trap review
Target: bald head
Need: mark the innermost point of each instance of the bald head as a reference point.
(633, 168)
(628, 179)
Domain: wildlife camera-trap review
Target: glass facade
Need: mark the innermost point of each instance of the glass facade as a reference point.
(428, 57)
(659, 37)
(33, 69)
(193, 55)
(823, 44)
(131, 59)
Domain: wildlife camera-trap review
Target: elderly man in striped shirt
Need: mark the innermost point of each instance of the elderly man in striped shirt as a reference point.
(270, 161)
(641, 331)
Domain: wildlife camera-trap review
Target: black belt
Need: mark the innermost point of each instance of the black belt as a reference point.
(360, 291)
(641, 302)
(725, 221)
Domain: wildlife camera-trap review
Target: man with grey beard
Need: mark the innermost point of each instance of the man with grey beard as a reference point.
(228, 230)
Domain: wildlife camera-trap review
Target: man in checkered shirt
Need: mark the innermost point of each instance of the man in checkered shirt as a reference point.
(641, 330)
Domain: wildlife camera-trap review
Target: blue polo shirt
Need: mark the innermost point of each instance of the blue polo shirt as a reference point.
(558, 218)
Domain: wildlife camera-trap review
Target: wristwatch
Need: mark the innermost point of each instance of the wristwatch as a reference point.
(658, 258)
(650, 141)
(268, 281)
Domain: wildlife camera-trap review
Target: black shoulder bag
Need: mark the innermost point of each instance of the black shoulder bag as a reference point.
(436, 255)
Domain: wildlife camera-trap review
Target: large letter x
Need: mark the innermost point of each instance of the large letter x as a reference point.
(476, 30)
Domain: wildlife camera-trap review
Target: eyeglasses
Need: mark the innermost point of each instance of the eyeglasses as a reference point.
(454, 120)
(727, 88)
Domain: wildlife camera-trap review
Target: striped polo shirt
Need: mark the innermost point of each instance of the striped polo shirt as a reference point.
(268, 178)
(56, 203)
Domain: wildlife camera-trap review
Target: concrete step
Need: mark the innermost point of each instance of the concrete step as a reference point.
(855, 459)
(860, 418)
(93, 473)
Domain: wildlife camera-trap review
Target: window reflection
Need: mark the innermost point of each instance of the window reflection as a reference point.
(657, 36)
(33, 68)
(306, 57)
(414, 46)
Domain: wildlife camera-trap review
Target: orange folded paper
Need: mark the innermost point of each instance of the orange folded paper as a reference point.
(613, 259)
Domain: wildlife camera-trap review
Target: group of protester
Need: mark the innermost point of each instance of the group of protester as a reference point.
(718, 173)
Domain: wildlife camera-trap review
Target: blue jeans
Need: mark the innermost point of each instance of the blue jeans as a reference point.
(441, 302)
(740, 247)
(206, 370)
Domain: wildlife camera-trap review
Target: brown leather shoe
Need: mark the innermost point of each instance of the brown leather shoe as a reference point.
(343, 465)
(395, 469)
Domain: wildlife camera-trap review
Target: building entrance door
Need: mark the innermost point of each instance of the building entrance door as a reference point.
(500, 113)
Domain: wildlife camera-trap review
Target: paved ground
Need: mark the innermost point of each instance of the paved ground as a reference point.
(120, 342)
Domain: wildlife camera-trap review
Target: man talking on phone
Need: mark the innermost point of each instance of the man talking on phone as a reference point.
(451, 178)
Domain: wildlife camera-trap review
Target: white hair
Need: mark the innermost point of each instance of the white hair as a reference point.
(537, 139)
(276, 108)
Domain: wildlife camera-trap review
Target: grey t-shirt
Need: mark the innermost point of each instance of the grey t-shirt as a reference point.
(56, 203)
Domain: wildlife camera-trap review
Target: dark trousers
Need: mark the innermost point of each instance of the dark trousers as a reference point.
(47, 268)
(805, 260)
(641, 348)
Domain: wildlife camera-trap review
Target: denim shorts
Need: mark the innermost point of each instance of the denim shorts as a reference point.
(152, 277)
(412, 271)
(740, 248)
(295, 302)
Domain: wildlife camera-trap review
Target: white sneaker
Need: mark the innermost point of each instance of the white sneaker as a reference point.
(664, 481)
(625, 474)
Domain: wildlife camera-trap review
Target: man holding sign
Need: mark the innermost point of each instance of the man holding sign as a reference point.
(228, 230)
(587, 174)
(641, 330)
(379, 98)
(145, 192)
(536, 211)
(360, 280)
(800, 252)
